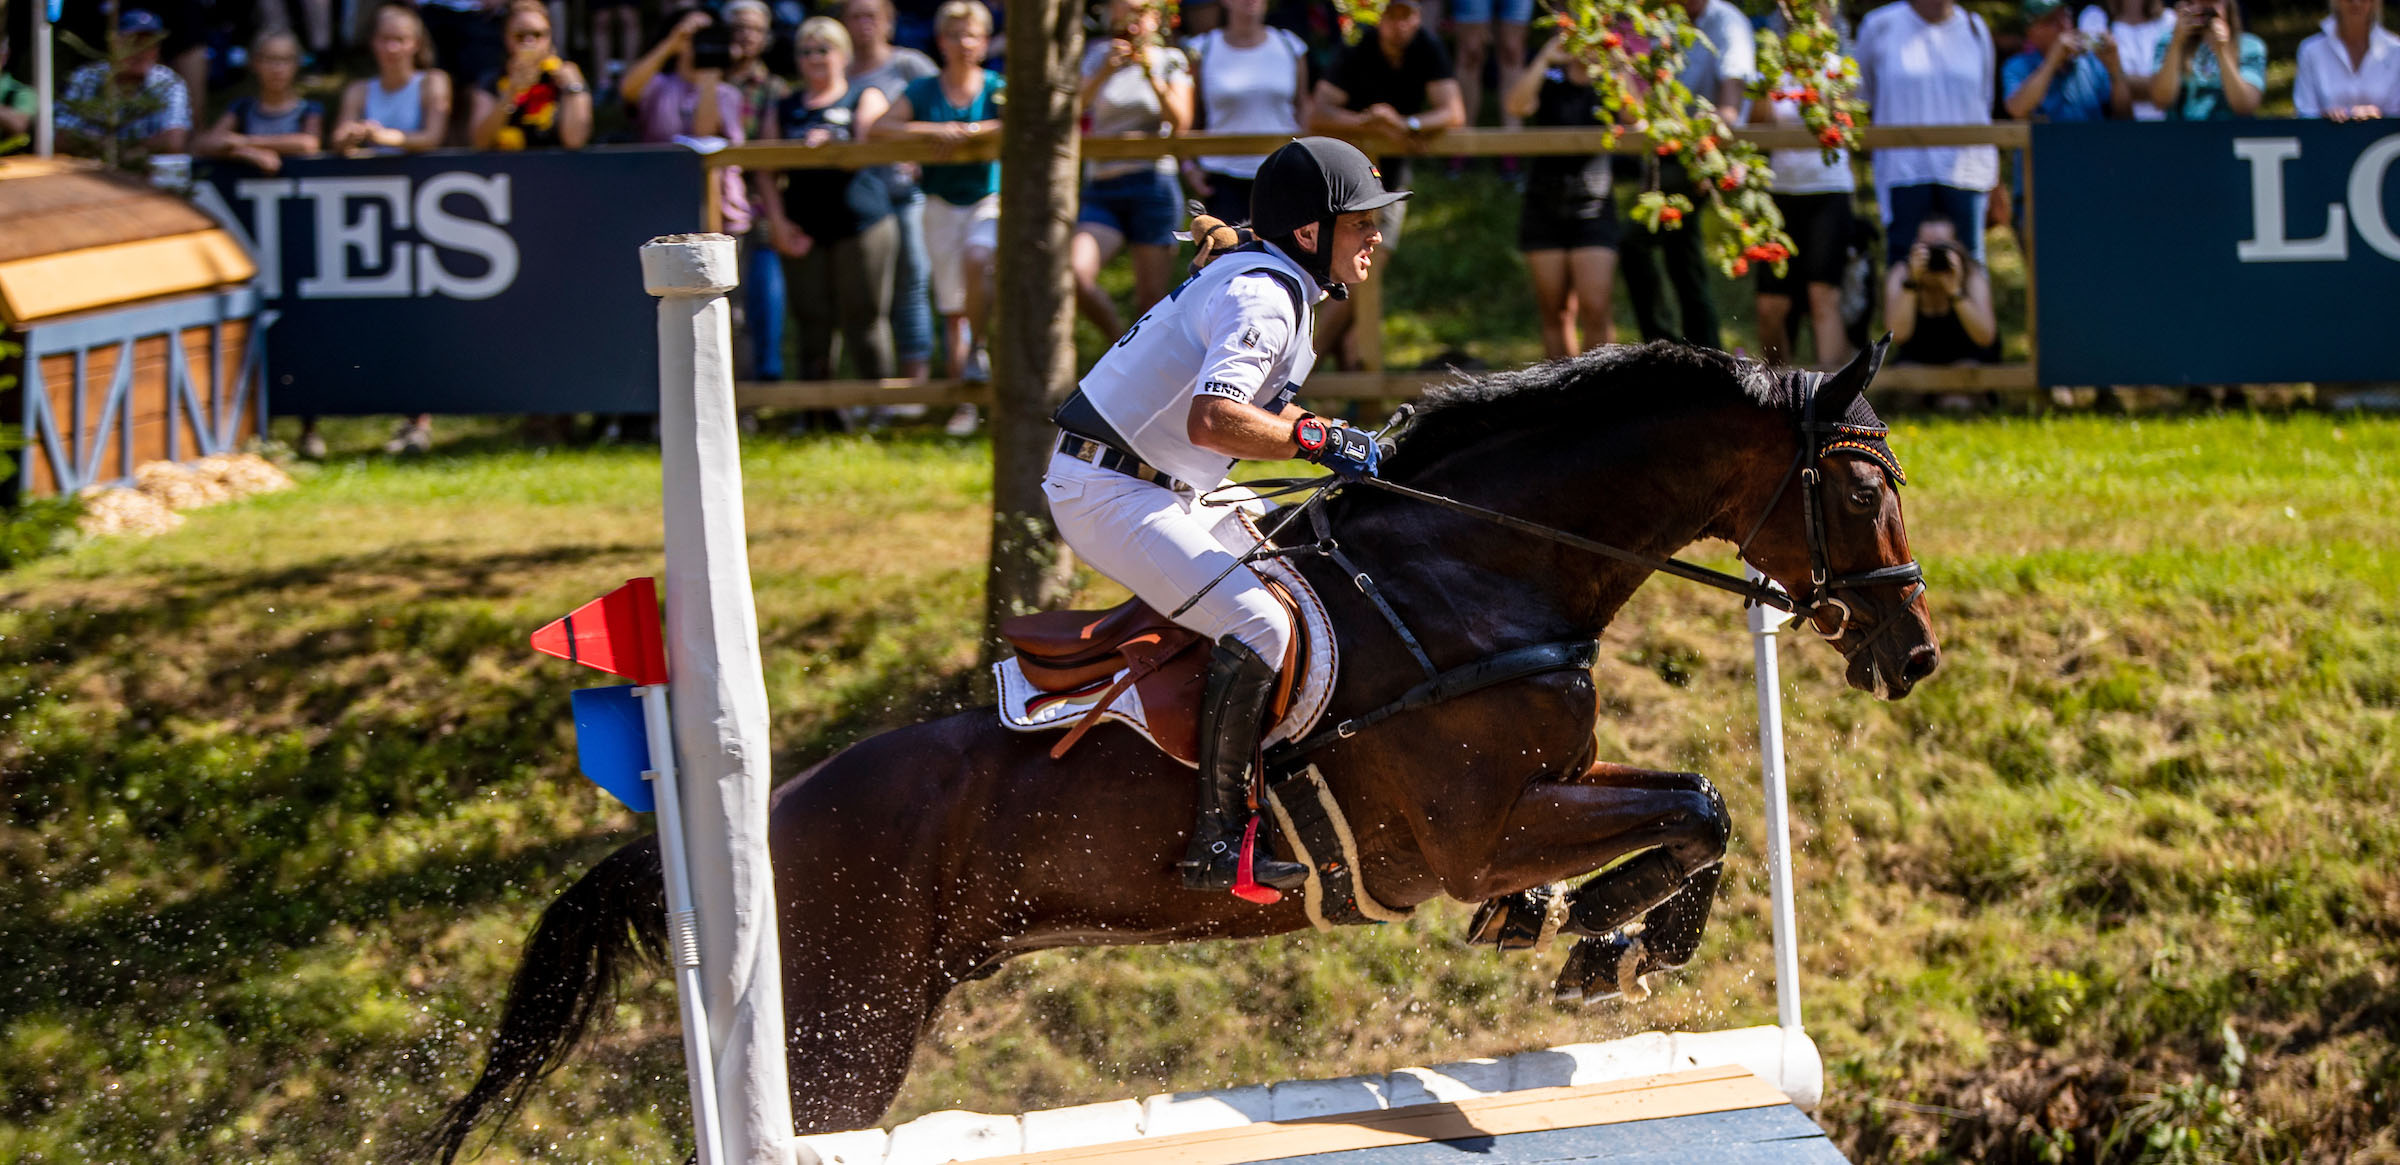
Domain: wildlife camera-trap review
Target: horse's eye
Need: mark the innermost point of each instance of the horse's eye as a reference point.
(1863, 496)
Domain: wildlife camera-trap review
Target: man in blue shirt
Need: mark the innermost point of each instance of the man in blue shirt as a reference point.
(2060, 76)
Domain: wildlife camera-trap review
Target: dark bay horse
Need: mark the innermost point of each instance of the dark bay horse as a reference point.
(915, 860)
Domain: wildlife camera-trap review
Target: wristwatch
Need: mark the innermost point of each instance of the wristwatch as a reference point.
(1416, 124)
(1309, 434)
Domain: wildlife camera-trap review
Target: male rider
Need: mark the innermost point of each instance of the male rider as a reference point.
(1204, 379)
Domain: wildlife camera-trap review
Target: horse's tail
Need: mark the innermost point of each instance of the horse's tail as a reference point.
(571, 966)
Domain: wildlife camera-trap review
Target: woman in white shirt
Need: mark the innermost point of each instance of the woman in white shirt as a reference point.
(2351, 69)
(2137, 26)
(1929, 62)
(1132, 84)
(1252, 79)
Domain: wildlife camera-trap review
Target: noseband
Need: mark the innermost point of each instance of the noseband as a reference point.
(1820, 440)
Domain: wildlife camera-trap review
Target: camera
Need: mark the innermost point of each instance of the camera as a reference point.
(712, 47)
(1941, 258)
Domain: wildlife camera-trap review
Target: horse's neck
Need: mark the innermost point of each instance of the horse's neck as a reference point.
(1651, 487)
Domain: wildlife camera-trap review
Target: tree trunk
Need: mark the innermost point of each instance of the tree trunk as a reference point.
(1033, 341)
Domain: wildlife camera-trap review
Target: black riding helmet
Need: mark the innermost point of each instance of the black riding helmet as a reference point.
(1315, 180)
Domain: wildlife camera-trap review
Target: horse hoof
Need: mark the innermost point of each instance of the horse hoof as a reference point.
(1526, 920)
(1613, 966)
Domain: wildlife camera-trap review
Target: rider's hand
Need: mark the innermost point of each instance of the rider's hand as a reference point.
(1350, 453)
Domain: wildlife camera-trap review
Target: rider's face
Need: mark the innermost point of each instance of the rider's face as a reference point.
(1354, 238)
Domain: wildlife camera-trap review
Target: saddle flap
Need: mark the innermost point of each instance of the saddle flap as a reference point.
(1065, 639)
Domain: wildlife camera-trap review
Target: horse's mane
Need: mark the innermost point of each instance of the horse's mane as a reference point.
(1600, 388)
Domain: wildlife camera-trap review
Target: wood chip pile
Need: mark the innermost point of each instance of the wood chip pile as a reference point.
(162, 487)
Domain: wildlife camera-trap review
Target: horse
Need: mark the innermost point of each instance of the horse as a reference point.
(924, 857)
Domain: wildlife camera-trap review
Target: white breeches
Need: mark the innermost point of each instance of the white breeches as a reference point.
(1163, 546)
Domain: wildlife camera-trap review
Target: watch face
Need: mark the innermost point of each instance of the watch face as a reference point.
(1309, 434)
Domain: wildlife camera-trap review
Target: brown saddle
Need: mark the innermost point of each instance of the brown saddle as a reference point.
(1131, 645)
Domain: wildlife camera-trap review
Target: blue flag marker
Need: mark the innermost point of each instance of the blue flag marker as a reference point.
(612, 746)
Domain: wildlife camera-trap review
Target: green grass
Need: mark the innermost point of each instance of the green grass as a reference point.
(281, 793)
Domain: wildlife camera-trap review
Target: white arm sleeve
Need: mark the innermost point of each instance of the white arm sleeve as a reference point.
(1244, 329)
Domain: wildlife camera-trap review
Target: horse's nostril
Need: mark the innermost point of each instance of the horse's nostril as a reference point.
(1920, 664)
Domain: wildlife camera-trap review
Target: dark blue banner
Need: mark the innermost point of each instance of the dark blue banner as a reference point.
(2216, 252)
(460, 283)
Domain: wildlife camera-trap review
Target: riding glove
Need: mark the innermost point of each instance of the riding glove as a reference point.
(1351, 453)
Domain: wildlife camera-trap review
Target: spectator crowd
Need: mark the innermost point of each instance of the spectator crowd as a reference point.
(876, 272)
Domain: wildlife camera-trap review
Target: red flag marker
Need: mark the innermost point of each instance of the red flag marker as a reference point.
(616, 633)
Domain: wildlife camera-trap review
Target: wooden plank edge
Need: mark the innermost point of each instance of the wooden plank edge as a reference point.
(1692, 1092)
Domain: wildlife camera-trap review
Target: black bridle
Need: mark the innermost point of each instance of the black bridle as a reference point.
(1820, 440)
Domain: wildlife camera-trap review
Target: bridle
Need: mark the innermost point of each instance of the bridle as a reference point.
(1820, 440)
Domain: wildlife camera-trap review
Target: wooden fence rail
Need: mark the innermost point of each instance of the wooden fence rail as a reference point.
(1372, 382)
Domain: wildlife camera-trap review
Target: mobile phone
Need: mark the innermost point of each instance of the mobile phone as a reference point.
(712, 47)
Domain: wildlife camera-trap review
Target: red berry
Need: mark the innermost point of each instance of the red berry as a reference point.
(1608, 40)
(1708, 143)
(1842, 119)
(1728, 182)
(1741, 266)
(1831, 137)
(1565, 21)
(1669, 214)
(1809, 95)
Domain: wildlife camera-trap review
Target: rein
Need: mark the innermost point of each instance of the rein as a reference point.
(1818, 441)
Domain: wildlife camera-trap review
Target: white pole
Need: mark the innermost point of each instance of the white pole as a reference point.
(45, 108)
(1763, 622)
(683, 936)
(720, 707)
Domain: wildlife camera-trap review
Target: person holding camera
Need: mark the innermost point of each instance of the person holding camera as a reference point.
(2063, 75)
(1938, 305)
(693, 99)
(1929, 62)
(2209, 69)
(1132, 83)
(2350, 70)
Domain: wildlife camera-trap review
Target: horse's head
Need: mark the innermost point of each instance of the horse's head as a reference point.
(1829, 530)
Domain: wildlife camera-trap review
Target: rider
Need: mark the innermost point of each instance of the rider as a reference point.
(1204, 379)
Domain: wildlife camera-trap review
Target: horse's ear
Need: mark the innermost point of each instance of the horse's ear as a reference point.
(1847, 385)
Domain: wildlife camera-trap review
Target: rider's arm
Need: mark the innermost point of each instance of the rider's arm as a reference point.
(1251, 321)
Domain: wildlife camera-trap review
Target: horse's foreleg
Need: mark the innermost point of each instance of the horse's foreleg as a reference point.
(1613, 964)
(1674, 823)
(1559, 829)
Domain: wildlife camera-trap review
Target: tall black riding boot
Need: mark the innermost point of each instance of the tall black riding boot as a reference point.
(1232, 716)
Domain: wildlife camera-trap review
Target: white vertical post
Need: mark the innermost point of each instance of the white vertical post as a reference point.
(720, 706)
(45, 82)
(1763, 622)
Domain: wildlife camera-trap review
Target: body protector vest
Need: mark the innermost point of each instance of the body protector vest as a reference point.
(1242, 328)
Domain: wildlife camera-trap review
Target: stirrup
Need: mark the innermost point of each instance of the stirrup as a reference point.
(1239, 871)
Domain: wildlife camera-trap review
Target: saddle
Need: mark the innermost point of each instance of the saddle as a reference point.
(1130, 663)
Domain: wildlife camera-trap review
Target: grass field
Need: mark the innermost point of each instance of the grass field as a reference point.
(280, 794)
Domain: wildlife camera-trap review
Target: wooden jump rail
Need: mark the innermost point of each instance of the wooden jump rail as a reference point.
(2014, 380)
